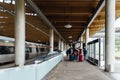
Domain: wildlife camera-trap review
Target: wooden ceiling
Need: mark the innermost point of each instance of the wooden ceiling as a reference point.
(99, 22)
(59, 13)
(63, 12)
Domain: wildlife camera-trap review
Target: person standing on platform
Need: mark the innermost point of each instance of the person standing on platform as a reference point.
(69, 53)
(85, 53)
(80, 57)
(75, 55)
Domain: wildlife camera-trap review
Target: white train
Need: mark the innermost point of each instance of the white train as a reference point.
(32, 50)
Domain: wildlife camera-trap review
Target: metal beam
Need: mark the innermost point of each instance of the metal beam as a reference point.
(42, 16)
(99, 7)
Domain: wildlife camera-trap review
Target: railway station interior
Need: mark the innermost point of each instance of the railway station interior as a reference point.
(35, 36)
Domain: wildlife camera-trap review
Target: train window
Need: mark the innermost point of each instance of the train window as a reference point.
(6, 50)
(42, 49)
(11, 49)
(26, 50)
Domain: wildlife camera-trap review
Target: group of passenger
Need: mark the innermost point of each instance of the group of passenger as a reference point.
(76, 54)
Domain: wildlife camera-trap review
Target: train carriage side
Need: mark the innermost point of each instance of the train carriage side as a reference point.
(7, 52)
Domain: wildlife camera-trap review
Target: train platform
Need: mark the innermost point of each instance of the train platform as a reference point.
(79, 71)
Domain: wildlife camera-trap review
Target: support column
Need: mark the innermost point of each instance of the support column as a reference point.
(51, 40)
(65, 46)
(110, 35)
(19, 32)
(62, 46)
(86, 37)
(59, 44)
(81, 44)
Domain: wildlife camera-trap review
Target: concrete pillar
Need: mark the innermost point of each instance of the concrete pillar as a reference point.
(86, 37)
(81, 44)
(62, 47)
(59, 44)
(65, 46)
(19, 33)
(110, 35)
(51, 40)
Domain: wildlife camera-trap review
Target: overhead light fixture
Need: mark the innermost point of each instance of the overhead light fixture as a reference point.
(1, 26)
(68, 26)
(3, 17)
(39, 40)
(69, 36)
(2, 22)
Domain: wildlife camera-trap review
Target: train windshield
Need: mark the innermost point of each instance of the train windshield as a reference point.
(6, 50)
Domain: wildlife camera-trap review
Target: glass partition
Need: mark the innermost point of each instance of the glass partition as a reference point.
(94, 51)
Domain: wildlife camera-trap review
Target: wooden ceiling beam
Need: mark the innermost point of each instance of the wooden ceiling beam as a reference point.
(65, 0)
(67, 18)
(100, 20)
(6, 24)
(94, 27)
(74, 27)
(69, 32)
(10, 7)
(68, 21)
(67, 14)
(97, 23)
(62, 9)
(73, 30)
(6, 20)
(5, 14)
(67, 3)
(32, 32)
(74, 24)
(70, 28)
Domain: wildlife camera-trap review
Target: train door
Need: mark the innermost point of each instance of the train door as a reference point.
(94, 51)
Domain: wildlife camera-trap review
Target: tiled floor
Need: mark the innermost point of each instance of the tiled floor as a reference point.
(76, 71)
